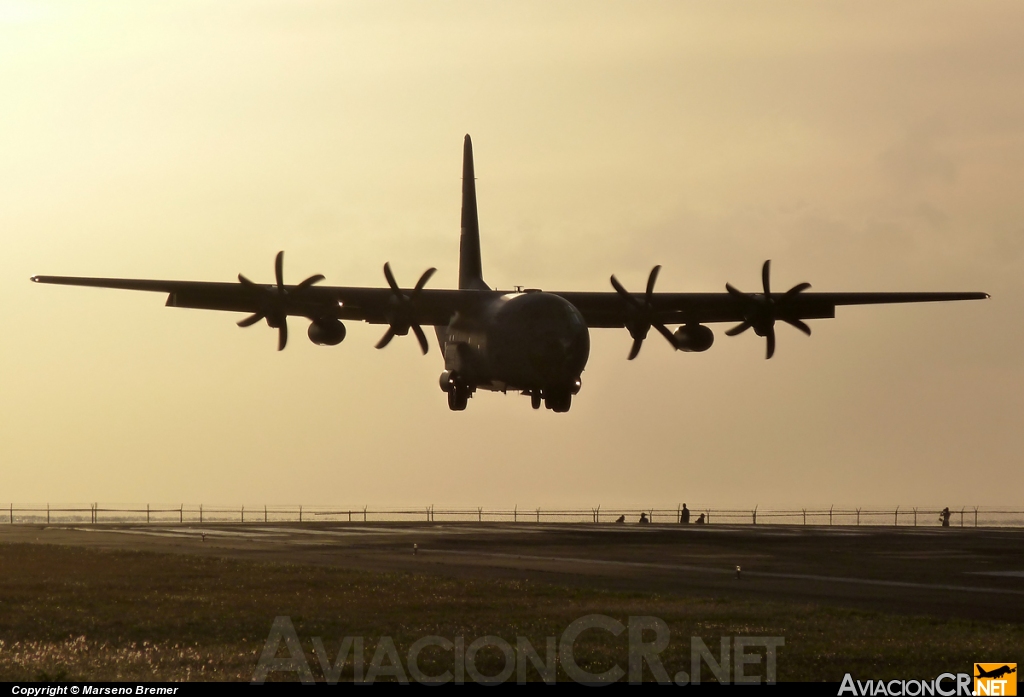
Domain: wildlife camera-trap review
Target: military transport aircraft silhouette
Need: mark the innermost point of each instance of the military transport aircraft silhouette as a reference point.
(996, 673)
(528, 341)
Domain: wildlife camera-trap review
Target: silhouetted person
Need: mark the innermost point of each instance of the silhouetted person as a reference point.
(944, 517)
(684, 515)
(700, 519)
(621, 519)
(643, 519)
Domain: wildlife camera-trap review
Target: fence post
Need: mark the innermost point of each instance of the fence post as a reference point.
(858, 516)
(181, 514)
(962, 515)
(915, 516)
(830, 513)
(427, 509)
(707, 518)
(147, 513)
(538, 515)
(896, 517)
(300, 514)
(515, 514)
(755, 516)
(47, 514)
(265, 518)
(243, 514)
(597, 515)
(805, 516)
(200, 514)
(479, 514)
(975, 516)
(364, 514)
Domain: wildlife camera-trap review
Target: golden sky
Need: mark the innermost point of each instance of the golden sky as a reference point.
(859, 145)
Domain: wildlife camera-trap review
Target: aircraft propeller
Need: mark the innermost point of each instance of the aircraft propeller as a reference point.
(642, 315)
(273, 301)
(402, 317)
(761, 311)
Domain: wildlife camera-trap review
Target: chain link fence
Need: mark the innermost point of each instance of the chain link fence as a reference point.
(963, 516)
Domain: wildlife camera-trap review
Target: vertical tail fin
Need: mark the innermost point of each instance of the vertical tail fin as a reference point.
(470, 272)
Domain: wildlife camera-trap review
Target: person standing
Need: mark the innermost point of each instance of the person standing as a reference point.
(944, 517)
(684, 515)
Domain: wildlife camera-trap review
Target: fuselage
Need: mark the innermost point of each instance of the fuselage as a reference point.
(527, 341)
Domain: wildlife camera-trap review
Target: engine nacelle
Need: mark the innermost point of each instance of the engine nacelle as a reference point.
(694, 337)
(326, 332)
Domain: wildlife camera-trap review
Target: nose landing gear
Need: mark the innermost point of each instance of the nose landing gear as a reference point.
(557, 399)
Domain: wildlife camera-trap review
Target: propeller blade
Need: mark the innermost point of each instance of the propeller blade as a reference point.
(798, 288)
(386, 339)
(650, 282)
(423, 280)
(250, 320)
(279, 270)
(623, 292)
(637, 343)
(282, 335)
(738, 329)
(663, 330)
(798, 324)
(312, 280)
(766, 272)
(771, 343)
(736, 293)
(391, 279)
(424, 346)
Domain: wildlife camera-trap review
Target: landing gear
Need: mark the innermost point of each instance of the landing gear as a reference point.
(458, 397)
(535, 399)
(558, 401)
(458, 392)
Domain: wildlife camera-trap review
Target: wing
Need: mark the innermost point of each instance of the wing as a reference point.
(374, 305)
(611, 310)
(753, 310)
(406, 310)
(436, 307)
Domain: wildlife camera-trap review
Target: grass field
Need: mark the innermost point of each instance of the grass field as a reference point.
(79, 614)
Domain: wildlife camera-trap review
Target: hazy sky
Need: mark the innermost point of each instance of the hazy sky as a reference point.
(859, 145)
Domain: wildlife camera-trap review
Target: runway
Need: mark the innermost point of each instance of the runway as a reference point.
(952, 572)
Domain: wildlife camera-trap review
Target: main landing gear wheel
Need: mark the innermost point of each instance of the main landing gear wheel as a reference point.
(458, 398)
(535, 399)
